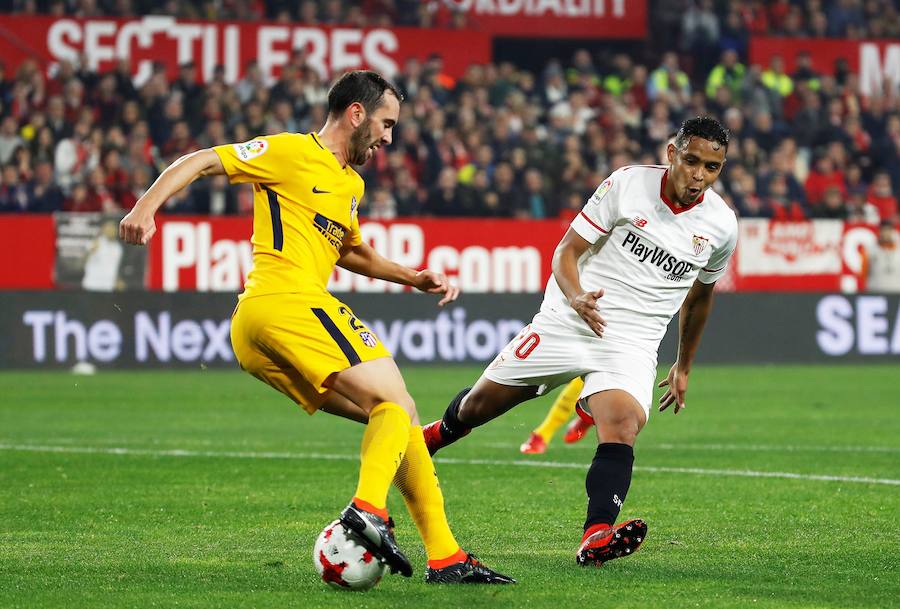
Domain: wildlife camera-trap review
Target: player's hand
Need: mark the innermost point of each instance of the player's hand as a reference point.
(586, 305)
(436, 283)
(677, 382)
(137, 228)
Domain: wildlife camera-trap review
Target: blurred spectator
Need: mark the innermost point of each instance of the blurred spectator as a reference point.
(446, 199)
(728, 73)
(780, 202)
(804, 72)
(700, 32)
(845, 16)
(537, 204)
(13, 193)
(9, 139)
(883, 261)
(669, 83)
(44, 195)
(775, 79)
(882, 197)
(382, 205)
(859, 209)
(832, 205)
(823, 176)
(80, 199)
(507, 135)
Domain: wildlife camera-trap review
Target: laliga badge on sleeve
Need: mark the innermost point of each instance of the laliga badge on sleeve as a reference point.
(601, 191)
(251, 150)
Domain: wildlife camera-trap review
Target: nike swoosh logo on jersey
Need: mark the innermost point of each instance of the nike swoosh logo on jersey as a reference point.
(320, 192)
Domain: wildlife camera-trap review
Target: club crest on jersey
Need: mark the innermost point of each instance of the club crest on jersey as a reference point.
(601, 190)
(368, 338)
(700, 244)
(251, 150)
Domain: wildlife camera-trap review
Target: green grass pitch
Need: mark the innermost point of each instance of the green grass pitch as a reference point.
(777, 487)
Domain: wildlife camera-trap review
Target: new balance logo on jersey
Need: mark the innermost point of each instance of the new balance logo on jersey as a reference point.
(654, 254)
(639, 221)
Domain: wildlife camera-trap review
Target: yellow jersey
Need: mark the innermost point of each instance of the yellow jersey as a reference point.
(304, 210)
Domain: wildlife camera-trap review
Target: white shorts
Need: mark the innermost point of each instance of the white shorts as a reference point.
(546, 354)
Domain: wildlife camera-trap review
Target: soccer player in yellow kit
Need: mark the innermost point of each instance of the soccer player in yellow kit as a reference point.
(290, 333)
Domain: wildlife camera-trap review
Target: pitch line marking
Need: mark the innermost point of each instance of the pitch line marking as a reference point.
(789, 448)
(444, 460)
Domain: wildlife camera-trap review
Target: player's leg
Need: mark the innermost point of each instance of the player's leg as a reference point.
(375, 387)
(541, 357)
(619, 418)
(562, 408)
(340, 406)
(473, 407)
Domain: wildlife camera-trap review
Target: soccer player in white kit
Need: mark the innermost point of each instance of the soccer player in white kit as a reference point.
(649, 240)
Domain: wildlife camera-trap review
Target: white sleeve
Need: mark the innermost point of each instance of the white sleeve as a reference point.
(599, 215)
(718, 261)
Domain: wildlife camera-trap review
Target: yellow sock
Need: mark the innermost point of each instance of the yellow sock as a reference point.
(418, 483)
(561, 410)
(383, 445)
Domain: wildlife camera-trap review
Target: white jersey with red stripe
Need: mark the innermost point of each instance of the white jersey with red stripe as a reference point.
(646, 253)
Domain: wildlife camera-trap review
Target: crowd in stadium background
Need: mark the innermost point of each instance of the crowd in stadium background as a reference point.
(501, 141)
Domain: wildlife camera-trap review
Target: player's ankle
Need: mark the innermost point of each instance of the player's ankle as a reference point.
(458, 556)
(368, 507)
(594, 528)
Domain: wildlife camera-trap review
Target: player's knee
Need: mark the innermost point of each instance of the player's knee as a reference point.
(409, 405)
(620, 429)
(403, 400)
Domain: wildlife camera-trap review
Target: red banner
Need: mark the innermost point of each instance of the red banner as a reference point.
(557, 18)
(209, 44)
(480, 255)
(813, 256)
(876, 61)
(493, 256)
(28, 252)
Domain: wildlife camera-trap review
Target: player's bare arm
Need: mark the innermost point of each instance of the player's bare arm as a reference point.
(565, 270)
(691, 321)
(138, 226)
(363, 259)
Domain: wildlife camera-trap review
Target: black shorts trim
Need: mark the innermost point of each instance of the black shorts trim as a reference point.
(340, 339)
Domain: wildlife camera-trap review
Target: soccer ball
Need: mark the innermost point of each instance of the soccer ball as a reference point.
(343, 562)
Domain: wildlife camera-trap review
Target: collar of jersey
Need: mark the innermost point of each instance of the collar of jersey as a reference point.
(330, 153)
(676, 209)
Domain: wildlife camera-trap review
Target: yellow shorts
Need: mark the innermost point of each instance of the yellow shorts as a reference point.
(294, 346)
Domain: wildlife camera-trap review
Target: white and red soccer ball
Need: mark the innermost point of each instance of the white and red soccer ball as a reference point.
(343, 562)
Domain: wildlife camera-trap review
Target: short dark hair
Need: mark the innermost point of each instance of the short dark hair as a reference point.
(702, 126)
(363, 86)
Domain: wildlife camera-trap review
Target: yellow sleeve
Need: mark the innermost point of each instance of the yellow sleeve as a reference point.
(354, 237)
(261, 160)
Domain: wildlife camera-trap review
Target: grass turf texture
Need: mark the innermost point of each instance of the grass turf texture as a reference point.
(207, 529)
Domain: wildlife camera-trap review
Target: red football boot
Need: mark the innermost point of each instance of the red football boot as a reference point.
(602, 543)
(576, 430)
(534, 445)
(436, 439)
